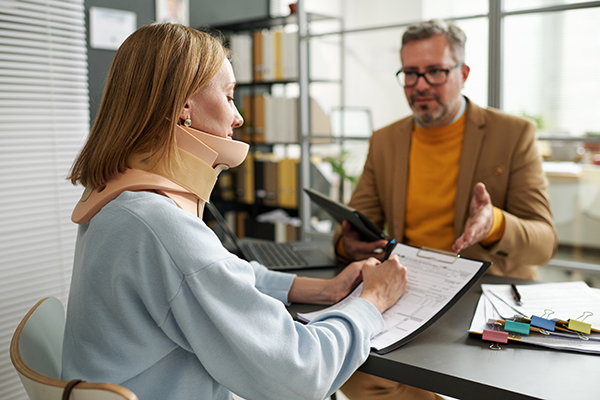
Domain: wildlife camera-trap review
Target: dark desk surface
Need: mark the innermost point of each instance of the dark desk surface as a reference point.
(446, 359)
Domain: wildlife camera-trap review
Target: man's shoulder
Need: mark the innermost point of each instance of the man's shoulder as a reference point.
(494, 116)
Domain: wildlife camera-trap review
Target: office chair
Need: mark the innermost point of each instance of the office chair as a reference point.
(36, 353)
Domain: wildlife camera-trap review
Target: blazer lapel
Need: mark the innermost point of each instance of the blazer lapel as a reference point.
(469, 158)
(402, 147)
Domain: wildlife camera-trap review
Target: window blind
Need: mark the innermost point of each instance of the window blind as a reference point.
(44, 119)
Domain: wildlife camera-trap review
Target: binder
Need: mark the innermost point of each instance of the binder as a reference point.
(257, 55)
(258, 116)
(340, 212)
(268, 57)
(245, 132)
(245, 180)
(288, 183)
(270, 178)
(278, 35)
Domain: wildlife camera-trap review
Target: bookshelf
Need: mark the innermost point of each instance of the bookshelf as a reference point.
(282, 122)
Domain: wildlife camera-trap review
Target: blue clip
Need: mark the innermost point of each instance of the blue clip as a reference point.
(543, 323)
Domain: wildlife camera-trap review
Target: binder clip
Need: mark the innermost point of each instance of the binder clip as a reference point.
(447, 257)
(578, 325)
(516, 327)
(543, 322)
(495, 336)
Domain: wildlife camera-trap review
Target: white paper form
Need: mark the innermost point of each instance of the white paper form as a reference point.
(566, 299)
(486, 310)
(433, 282)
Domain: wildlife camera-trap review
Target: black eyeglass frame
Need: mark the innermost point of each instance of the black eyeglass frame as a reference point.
(423, 75)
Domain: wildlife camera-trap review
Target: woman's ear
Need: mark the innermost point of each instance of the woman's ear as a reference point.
(185, 112)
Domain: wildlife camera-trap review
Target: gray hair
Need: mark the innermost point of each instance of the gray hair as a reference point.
(424, 30)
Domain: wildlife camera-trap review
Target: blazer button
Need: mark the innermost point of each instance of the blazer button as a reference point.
(498, 171)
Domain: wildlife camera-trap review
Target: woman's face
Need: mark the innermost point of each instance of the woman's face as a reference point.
(212, 109)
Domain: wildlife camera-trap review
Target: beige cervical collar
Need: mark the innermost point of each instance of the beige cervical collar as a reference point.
(189, 186)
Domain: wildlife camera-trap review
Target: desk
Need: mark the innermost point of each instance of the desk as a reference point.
(446, 359)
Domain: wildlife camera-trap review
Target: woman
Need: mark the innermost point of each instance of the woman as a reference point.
(156, 303)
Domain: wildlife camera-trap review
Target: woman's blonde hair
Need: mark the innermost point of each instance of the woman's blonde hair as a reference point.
(153, 74)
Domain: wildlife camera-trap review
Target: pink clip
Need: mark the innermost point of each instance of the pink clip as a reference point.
(495, 336)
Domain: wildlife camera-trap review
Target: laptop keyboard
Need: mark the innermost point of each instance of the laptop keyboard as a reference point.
(276, 254)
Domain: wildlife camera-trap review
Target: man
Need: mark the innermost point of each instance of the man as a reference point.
(453, 176)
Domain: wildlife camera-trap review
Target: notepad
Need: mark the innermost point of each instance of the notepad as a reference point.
(436, 281)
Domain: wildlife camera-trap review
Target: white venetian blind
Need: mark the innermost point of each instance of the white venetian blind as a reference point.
(44, 119)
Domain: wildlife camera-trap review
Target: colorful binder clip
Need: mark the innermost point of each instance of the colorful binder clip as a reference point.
(543, 322)
(494, 336)
(578, 325)
(516, 327)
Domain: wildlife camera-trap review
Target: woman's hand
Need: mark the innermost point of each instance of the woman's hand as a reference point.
(326, 291)
(384, 282)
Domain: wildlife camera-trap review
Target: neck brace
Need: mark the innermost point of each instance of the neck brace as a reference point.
(189, 184)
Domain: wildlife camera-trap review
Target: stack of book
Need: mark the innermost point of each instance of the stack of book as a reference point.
(265, 56)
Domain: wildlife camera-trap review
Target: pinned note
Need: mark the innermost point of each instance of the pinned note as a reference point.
(517, 327)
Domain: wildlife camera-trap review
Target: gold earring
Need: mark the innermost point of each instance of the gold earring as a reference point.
(187, 122)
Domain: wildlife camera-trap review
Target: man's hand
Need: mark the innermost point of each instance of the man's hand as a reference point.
(481, 218)
(356, 248)
(384, 283)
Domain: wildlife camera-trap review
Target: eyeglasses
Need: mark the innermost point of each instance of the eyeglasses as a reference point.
(434, 77)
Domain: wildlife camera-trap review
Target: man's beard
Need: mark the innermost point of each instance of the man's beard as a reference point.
(424, 114)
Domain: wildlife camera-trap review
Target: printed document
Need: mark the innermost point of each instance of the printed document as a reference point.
(563, 301)
(435, 282)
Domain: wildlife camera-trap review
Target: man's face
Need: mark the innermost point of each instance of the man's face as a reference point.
(433, 106)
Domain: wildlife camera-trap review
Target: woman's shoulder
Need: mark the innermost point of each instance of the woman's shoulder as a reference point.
(157, 219)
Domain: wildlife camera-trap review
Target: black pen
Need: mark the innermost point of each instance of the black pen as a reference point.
(389, 247)
(516, 295)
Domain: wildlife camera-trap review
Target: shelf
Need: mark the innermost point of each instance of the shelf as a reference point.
(267, 23)
(285, 82)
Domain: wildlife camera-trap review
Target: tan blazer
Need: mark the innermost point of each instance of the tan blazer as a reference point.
(499, 150)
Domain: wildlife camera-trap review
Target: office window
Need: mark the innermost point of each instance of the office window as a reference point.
(516, 5)
(551, 69)
(43, 122)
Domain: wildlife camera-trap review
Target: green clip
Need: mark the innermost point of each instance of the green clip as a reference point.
(517, 327)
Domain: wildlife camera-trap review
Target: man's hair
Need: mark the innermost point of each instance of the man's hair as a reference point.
(153, 74)
(424, 30)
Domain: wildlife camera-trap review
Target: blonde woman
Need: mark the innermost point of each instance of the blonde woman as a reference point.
(157, 304)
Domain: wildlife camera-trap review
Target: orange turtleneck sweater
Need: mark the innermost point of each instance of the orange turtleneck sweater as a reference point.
(431, 192)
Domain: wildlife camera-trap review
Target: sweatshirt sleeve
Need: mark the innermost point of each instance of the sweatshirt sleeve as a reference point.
(246, 339)
(273, 283)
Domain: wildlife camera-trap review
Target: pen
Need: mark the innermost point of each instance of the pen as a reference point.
(516, 295)
(389, 247)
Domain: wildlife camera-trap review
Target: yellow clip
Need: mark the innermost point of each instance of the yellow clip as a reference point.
(580, 326)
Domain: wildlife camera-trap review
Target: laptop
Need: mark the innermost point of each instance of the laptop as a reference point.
(277, 256)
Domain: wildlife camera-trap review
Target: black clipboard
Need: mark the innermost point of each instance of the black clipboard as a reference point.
(340, 212)
(438, 256)
(482, 269)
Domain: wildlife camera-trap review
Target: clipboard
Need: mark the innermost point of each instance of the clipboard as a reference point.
(340, 212)
(437, 280)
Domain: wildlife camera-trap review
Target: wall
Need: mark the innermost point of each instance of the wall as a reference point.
(99, 60)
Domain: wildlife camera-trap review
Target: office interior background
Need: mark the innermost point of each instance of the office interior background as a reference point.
(535, 58)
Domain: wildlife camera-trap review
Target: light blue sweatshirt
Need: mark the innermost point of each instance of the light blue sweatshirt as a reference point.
(158, 305)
